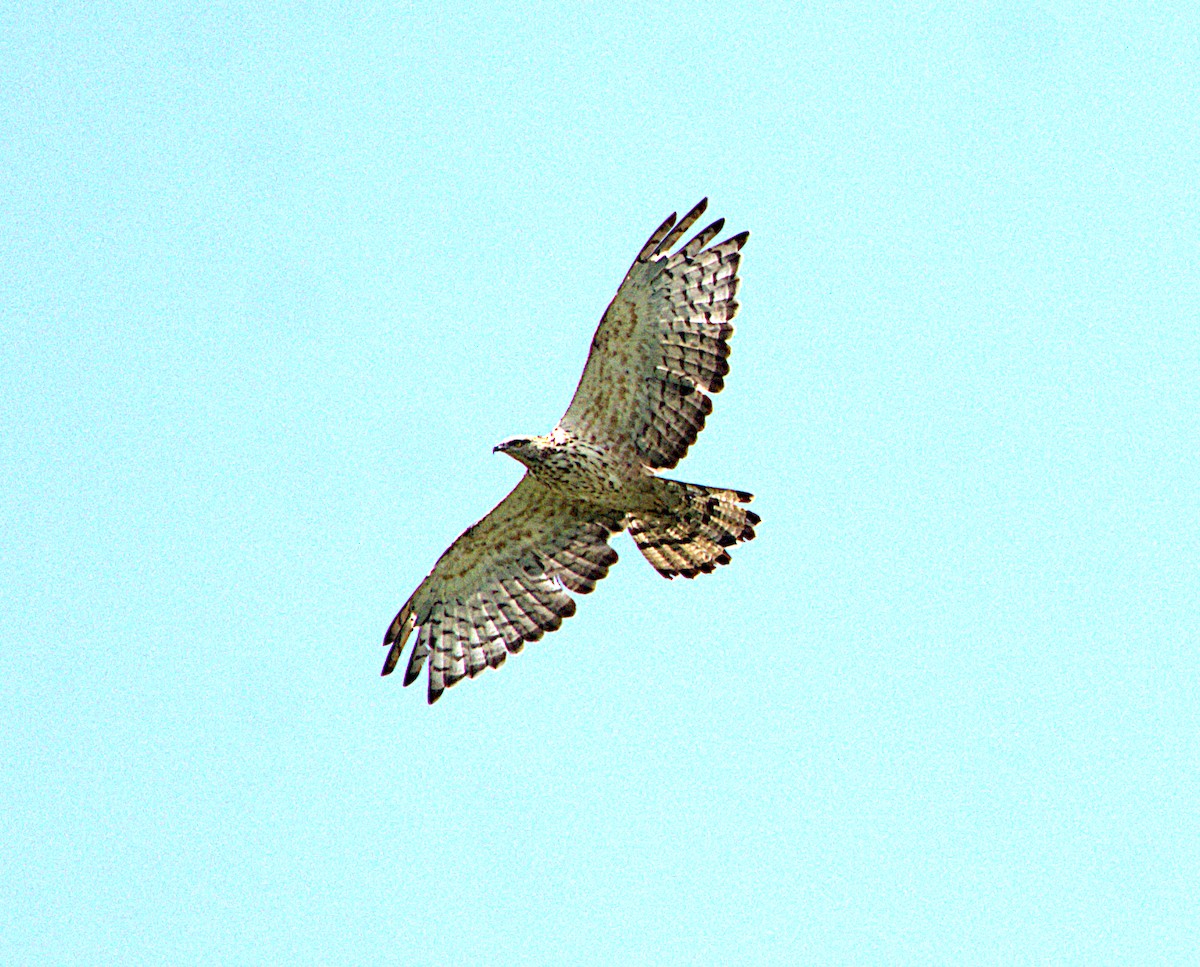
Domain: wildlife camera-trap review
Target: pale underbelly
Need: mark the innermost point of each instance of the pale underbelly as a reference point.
(603, 486)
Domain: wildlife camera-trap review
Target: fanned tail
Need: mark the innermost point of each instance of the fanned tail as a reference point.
(694, 538)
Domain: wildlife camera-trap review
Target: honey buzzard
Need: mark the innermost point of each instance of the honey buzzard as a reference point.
(660, 350)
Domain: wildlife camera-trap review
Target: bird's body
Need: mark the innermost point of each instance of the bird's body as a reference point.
(577, 469)
(661, 346)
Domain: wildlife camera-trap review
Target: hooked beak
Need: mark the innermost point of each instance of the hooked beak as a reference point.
(499, 448)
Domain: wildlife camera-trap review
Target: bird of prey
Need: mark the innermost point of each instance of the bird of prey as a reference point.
(659, 351)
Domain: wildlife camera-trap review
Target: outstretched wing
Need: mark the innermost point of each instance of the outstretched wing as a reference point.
(502, 583)
(661, 347)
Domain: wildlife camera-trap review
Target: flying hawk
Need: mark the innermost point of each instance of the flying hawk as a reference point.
(660, 349)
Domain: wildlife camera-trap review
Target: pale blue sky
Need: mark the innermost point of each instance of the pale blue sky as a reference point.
(276, 281)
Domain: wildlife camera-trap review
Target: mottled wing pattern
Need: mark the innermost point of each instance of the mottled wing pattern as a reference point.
(502, 583)
(662, 347)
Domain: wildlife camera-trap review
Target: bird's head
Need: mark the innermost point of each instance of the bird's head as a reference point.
(523, 449)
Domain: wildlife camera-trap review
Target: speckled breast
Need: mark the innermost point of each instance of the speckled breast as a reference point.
(584, 472)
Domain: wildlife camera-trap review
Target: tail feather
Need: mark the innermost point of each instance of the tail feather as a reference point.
(693, 538)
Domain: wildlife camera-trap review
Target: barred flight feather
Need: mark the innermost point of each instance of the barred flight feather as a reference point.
(491, 639)
(652, 244)
(571, 571)
(476, 659)
(581, 572)
(507, 635)
(537, 607)
(514, 608)
(688, 220)
(702, 238)
(420, 650)
(694, 362)
(713, 265)
(712, 326)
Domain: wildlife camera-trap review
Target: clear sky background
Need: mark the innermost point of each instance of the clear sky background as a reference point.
(275, 282)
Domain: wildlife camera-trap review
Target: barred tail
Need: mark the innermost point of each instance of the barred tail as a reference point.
(693, 539)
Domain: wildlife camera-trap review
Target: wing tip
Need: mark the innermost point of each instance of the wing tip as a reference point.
(653, 242)
(396, 636)
(667, 241)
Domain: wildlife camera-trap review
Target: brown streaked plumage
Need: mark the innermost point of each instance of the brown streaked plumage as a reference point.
(661, 348)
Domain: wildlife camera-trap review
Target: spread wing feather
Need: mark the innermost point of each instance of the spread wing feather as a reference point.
(502, 583)
(662, 347)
